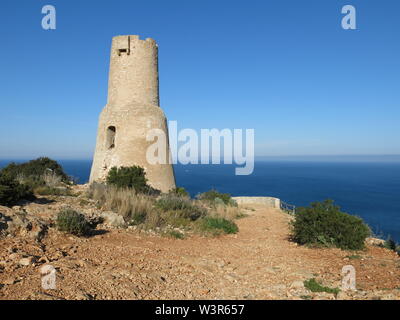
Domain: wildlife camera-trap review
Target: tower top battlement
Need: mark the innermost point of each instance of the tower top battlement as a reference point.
(129, 42)
(133, 71)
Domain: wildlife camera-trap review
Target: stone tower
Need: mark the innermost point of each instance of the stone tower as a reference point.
(132, 109)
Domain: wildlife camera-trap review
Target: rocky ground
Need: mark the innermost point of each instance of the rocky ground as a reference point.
(259, 262)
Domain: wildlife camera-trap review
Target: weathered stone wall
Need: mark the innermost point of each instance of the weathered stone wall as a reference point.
(132, 110)
(269, 201)
(133, 71)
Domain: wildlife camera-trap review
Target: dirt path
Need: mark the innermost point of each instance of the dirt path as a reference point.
(257, 263)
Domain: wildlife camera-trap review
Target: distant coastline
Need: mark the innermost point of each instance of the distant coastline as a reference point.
(310, 158)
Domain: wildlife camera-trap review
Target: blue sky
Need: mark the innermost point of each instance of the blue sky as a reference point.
(285, 68)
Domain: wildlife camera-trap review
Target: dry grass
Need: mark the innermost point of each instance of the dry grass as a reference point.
(21, 178)
(51, 179)
(163, 213)
(226, 212)
(133, 207)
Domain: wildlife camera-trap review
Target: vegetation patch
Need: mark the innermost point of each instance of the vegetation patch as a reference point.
(11, 191)
(42, 176)
(218, 225)
(53, 191)
(126, 202)
(163, 213)
(324, 224)
(314, 286)
(180, 192)
(216, 198)
(130, 178)
(73, 222)
(176, 234)
(182, 207)
(391, 245)
(37, 172)
(227, 212)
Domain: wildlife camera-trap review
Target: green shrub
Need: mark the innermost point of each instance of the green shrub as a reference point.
(129, 177)
(11, 191)
(324, 224)
(216, 197)
(180, 192)
(314, 286)
(137, 217)
(73, 222)
(33, 170)
(182, 207)
(390, 244)
(217, 225)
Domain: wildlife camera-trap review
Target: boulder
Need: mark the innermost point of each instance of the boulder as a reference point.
(27, 261)
(113, 219)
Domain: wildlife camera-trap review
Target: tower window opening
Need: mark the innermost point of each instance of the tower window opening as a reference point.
(110, 137)
(123, 51)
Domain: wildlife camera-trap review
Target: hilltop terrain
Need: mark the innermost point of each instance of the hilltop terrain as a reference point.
(259, 262)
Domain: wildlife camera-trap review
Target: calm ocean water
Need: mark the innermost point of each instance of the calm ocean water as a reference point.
(369, 190)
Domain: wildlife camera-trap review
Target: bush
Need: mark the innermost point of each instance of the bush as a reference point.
(324, 224)
(182, 207)
(392, 245)
(32, 172)
(130, 177)
(180, 192)
(216, 198)
(217, 225)
(11, 191)
(73, 222)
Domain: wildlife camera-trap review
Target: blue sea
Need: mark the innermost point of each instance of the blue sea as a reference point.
(370, 190)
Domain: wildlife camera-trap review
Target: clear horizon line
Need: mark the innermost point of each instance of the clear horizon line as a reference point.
(256, 157)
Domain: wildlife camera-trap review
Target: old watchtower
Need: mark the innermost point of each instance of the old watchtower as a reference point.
(132, 109)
